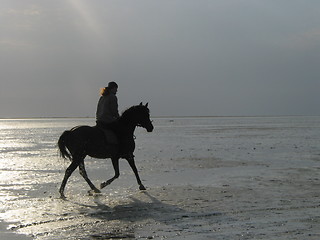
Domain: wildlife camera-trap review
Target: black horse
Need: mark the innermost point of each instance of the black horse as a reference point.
(81, 141)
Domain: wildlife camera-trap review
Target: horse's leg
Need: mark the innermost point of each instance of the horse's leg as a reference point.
(83, 173)
(67, 174)
(115, 163)
(133, 166)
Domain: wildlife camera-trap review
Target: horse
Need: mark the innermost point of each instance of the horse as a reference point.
(81, 141)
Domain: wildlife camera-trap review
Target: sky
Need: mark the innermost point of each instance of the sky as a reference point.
(184, 57)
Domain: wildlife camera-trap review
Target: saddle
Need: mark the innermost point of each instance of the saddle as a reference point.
(127, 144)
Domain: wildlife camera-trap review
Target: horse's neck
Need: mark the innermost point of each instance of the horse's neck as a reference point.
(127, 127)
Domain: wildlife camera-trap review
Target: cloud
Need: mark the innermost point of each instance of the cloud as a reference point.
(6, 45)
(32, 10)
(229, 57)
(307, 39)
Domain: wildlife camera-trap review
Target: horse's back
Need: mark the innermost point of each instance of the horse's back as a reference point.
(93, 141)
(87, 133)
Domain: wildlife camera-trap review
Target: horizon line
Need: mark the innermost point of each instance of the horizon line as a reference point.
(168, 116)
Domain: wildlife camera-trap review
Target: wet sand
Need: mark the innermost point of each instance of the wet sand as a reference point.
(281, 205)
(257, 183)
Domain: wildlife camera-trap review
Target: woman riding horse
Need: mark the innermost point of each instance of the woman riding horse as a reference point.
(107, 110)
(83, 141)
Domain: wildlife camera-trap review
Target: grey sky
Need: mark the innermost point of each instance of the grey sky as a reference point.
(184, 57)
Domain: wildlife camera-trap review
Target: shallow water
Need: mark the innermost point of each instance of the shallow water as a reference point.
(187, 164)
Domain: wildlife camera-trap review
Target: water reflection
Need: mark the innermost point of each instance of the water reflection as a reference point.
(31, 171)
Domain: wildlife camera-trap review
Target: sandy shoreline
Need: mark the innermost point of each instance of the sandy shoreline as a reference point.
(282, 206)
(241, 180)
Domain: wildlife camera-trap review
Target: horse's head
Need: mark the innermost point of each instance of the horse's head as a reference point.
(138, 116)
(143, 117)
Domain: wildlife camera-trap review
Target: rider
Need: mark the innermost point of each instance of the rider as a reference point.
(107, 111)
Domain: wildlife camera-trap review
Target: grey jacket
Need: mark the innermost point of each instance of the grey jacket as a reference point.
(107, 110)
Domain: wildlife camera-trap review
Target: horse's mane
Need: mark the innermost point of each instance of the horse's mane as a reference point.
(133, 110)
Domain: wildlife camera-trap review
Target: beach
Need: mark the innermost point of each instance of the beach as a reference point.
(206, 178)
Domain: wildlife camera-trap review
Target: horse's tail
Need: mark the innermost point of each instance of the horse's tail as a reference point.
(62, 144)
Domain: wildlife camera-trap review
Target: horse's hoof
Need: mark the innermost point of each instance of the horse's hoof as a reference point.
(63, 197)
(142, 188)
(103, 185)
(97, 190)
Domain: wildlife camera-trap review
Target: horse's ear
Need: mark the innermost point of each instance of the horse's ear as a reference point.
(147, 104)
(140, 104)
